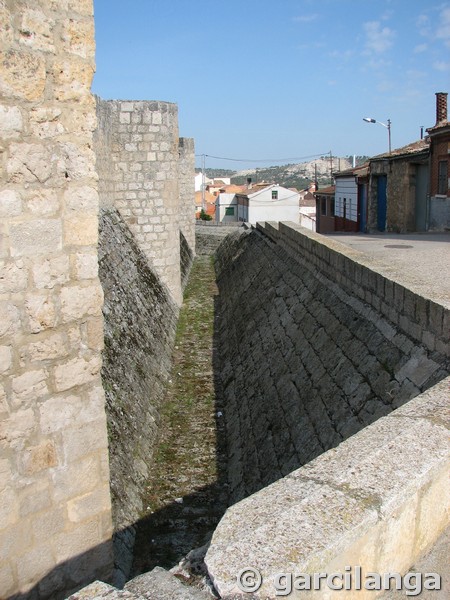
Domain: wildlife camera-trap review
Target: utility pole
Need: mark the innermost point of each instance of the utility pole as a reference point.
(331, 168)
(203, 183)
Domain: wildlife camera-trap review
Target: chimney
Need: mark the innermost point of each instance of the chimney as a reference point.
(441, 107)
(249, 183)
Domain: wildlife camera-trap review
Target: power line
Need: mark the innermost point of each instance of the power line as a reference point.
(262, 160)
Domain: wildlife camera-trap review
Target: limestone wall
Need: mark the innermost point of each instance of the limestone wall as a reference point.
(314, 349)
(187, 206)
(186, 214)
(304, 363)
(140, 322)
(137, 144)
(378, 502)
(55, 513)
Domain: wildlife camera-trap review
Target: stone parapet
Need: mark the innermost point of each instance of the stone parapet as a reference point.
(424, 320)
(368, 503)
(328, 365)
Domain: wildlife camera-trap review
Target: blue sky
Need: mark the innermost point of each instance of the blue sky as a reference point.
(273, 80)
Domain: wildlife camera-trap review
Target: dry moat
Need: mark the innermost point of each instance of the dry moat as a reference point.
(185, 493)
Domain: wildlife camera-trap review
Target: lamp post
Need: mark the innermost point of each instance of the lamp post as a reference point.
(388, 127)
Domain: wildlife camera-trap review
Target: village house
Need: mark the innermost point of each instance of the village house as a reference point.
(226, 207)
(350, 202)
(397, 192)
(307, 207)
(267, 202)
(439, 208)
(404, 190)
(325, 222)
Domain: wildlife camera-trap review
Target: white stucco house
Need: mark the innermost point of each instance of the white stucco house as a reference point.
(226, 207)
(199, 181)
(346, 201)
(267, 202)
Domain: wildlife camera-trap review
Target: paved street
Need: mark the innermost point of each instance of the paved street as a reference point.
(421, 261)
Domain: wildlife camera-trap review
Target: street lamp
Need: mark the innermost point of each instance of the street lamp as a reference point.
(388, 127)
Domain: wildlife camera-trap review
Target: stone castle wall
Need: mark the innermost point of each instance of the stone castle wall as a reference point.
(186, 213)
(142, 168)
(146, 250)
(304, 363)
(55, 512)
(331, 366)
(140, 321)
(187, 206)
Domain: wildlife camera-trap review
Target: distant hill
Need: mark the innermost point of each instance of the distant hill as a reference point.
(298, 175)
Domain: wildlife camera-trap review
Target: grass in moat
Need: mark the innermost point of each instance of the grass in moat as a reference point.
(184, 497)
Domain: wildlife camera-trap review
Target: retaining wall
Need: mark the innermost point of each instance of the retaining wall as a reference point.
(140, 323)
(55, 511)
(314, 346)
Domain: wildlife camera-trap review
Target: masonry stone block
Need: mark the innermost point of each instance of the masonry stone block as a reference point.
(78, 37)
(13, 277)
(36, 29)
(82, 508)
(37, 237)
(16, 428)
(80, 301)
(23, 74)
(41, 312)
(39, 458)
(29, 163)
(10, 204)
(34, 562)
(49, 272)
(77, 371)
(42, 202)
(72, 80)
(29, 387)
(11, 122)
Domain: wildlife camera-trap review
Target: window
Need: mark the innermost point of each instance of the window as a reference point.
(442, 177)
(332, 206)
(229, 211)
(323, 206)
(274, 194)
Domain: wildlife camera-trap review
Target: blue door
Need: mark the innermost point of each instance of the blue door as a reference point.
(381, 202)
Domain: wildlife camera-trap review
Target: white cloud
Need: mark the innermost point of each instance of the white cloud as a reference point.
(343, 55)
(423, 24)
(306, 18)
(443, 30)
(386, 86)
(420, 48)
(378, 39)
(440, 65)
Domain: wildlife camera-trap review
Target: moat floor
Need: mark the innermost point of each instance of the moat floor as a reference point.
(186, 496)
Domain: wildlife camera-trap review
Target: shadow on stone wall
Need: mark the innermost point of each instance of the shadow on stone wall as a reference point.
(56, 584)
(139, 329)
(300, 369)
(186, 258)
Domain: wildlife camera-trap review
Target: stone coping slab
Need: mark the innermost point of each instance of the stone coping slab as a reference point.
(379, 500)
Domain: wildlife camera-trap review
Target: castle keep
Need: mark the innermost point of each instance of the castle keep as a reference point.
(96, 242)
